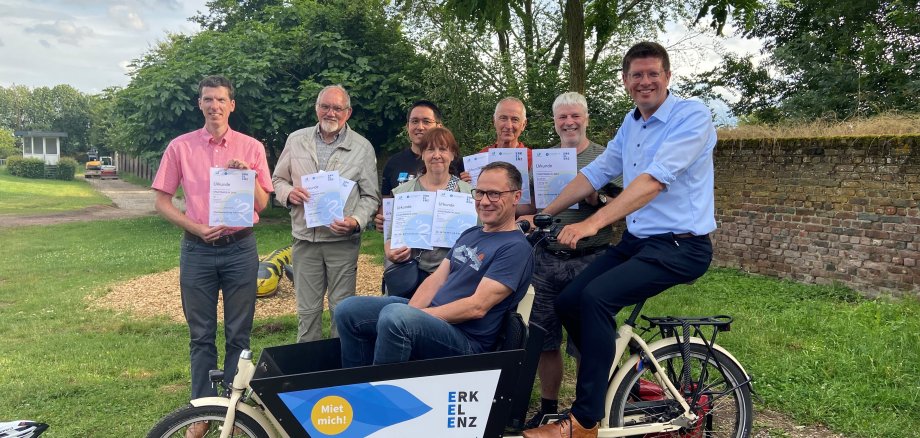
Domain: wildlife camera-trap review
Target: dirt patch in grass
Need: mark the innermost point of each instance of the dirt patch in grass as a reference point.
(158, 294)
(773, 424)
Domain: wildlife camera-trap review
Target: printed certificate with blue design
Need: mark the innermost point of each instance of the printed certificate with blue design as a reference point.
(553, 169)
(231, 197)
(473, 165)
(387, 217)
(518, 158)
(412, 220)
(454, 213)
(327, 198)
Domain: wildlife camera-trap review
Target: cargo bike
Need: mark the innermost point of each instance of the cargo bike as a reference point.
(669, 378)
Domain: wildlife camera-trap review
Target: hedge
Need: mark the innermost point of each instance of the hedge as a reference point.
(67, 168)
(26, 167)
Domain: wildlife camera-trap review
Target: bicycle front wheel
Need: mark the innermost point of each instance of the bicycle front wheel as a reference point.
(176, 424)
(721, 399)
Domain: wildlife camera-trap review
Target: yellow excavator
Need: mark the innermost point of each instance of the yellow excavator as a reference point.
(99, 167)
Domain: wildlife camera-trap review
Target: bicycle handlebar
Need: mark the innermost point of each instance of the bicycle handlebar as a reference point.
(545, 232)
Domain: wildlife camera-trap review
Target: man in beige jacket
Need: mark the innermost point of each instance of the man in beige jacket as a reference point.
(326, 258)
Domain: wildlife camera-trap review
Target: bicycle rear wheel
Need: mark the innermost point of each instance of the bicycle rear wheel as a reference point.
(722, 399)
(177, 423)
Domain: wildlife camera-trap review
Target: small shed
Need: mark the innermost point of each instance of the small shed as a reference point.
(41, 144)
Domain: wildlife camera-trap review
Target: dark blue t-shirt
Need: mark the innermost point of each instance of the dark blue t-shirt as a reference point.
(503, 256)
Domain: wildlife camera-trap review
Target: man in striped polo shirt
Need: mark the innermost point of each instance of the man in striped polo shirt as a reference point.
(556, 265)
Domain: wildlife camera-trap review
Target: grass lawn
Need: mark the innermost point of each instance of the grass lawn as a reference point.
(26, 196)
(819, 354)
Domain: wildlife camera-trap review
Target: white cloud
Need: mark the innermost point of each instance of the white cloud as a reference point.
(1, 43)
(45, 44)
(65, 30)
(126, 17)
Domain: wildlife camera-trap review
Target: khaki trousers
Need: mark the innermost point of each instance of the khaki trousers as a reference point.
(320, 267)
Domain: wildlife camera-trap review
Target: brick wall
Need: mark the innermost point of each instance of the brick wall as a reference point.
(822, 210)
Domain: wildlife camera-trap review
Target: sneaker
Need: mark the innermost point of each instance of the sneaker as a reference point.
(565, 428)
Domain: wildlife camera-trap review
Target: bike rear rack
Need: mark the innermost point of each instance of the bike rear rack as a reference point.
(682, 328)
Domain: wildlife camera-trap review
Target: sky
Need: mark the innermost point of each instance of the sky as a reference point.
(87, 44)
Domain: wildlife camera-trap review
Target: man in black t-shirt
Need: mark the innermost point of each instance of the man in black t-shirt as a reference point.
(407, 164)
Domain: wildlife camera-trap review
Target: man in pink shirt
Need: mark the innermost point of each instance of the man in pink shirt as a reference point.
(213, 258)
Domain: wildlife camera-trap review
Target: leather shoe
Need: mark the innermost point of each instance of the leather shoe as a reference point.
(197, 430)
(565, 428)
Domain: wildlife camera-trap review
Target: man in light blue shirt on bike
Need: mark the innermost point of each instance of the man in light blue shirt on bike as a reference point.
(663, 150)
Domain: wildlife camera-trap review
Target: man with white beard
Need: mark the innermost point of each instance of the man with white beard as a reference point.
(326, 257)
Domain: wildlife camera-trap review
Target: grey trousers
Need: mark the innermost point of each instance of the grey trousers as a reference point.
(320, 267)
(203, 270)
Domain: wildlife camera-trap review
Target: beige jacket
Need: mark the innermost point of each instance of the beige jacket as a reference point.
(354, 159)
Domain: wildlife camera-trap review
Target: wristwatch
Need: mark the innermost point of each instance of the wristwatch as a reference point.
(357, 226)
(601, 199)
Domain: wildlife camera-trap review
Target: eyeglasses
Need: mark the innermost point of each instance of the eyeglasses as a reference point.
(637, 76)
(423, 122)
(493, 195)
(324, 108)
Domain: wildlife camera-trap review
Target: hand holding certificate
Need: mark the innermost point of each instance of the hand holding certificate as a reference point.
(518, 158)
(412, 220)
(454, 213)
(473, 165)
(415, 227)
(387, 217)
(328, 194)
(553, 169)
(231, 197)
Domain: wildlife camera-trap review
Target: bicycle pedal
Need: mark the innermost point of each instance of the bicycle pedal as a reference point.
(552, 418)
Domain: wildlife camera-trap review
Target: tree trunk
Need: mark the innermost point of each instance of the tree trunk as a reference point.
(575, 25)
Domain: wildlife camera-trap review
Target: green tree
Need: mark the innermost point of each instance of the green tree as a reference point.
(61, 108)
(8, 146)
(537, 49)
(830, 59)
(279, 55)
(14, 103)
(585, 25)
(748, 90)
(107, 126)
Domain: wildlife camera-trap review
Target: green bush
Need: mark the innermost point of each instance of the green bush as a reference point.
(8, 151)
(67, 168)
(26, 167)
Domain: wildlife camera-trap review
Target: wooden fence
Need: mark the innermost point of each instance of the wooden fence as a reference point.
(138, 167)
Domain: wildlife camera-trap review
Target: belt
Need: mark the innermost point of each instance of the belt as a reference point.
(566, 254)
(222, 240)
(689, 235)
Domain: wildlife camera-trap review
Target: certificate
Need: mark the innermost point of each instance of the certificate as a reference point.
(345, 186)
(553, 169)
(325, 203)
(454, 213)
(387, 217)
(473, 165)
(412, 219)
(231, 197)
(518, 158)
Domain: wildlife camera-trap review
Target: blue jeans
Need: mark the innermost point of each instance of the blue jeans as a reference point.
(379, 330)
(203, 270)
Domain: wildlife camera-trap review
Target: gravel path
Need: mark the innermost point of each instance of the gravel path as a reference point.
(128, 201)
